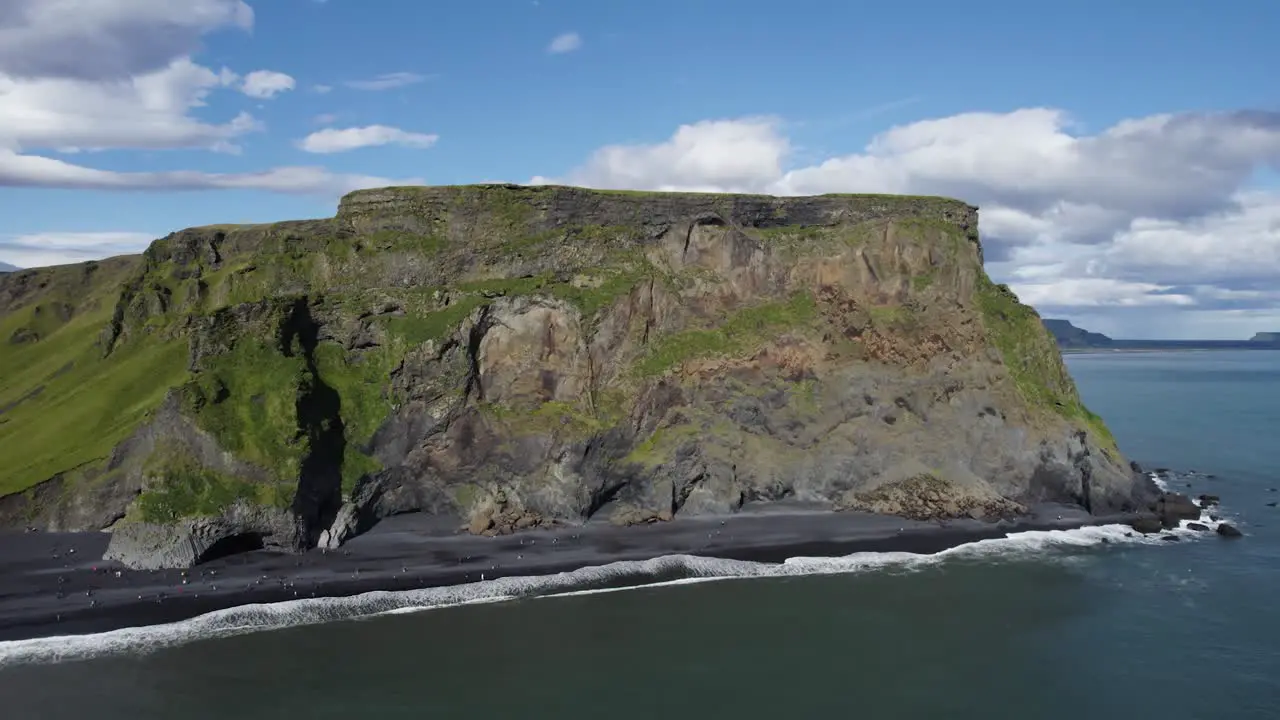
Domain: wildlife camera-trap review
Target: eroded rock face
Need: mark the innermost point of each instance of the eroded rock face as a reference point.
(920, 493)
(511, 357)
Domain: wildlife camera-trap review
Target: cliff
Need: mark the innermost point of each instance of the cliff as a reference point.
(513, 357)
(1272, 338)
(1070, 336)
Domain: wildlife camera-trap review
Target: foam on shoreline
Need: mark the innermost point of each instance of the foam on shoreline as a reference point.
(611, 577)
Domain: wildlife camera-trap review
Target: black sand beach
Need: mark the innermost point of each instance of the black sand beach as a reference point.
(58, 584)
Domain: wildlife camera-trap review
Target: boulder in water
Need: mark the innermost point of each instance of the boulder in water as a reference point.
(1172, 508)
(1229, 531)
(1147, 525)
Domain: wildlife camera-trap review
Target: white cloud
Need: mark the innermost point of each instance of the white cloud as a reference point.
(131, 84)
(54, 248)
(149, 111)
(97, 40)
(1093, 292)
(34, 171)
(1152, 214)
(713, 155)
(266, 84)
(387, 81)
(332, 140)
(321, 89)
(565, 43)
(1241, 243)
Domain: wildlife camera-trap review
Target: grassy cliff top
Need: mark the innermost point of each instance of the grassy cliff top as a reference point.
(548, 191)
(543, 206)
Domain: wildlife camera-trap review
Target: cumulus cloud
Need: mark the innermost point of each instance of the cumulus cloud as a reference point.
(54, 248)
(565, 43)
(714, 155)
(1240, 245)
(387, 81)
(132, 84)
(149, 111)
(332, 140)
(1151, 213)
(266, 84)
(107, 39)
(34, 171)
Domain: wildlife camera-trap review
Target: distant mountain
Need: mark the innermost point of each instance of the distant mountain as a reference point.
(6, 267)
(1070, 336)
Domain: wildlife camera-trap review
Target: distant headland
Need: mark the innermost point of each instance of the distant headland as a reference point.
(1074, 339)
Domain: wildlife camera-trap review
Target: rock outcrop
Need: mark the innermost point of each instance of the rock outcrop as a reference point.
(512, 357)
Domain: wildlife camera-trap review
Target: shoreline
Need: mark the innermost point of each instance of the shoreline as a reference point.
(1144, 351)
(54, 584)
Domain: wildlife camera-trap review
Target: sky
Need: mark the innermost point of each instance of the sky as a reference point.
(1125, 157)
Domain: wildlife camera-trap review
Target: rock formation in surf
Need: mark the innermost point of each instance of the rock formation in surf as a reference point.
(514, 357)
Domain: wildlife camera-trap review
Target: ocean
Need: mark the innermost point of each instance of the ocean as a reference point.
(1088, 623)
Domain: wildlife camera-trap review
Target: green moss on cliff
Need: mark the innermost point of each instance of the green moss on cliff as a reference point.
(1033, 359)
(247, 398)
(416, 328)
(659, 447)
(735, 335)
(361, 384)
(555, 417)
(182, 488)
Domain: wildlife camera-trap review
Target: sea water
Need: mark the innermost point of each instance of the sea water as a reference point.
(1089, 623)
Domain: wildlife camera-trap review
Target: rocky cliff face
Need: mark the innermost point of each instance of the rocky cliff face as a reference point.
(511, 357)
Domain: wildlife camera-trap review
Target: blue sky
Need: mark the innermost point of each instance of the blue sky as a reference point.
(1124, 154)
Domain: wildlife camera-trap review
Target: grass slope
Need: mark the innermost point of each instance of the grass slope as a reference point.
(62, 404)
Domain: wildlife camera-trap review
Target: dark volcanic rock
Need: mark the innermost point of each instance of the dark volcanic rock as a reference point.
(1147, 525)
(1198, 527)
(1229, 531)
(1172, 508)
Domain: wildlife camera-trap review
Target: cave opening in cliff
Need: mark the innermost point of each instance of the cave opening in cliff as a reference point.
(233, 545)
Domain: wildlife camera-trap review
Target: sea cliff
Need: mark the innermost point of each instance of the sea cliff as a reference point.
(508, 358)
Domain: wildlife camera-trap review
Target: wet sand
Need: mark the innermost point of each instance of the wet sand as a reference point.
(58, 583)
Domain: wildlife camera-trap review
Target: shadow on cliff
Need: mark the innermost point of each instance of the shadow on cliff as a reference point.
(319, 413)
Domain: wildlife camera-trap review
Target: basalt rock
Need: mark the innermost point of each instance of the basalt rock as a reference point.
(1172, 508)
(509, 357)
(1229, 531)
(1147, 525)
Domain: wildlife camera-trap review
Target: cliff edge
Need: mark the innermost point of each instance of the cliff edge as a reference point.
(511, 357)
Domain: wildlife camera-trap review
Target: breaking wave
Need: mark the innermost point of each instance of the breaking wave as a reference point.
(613, 577)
